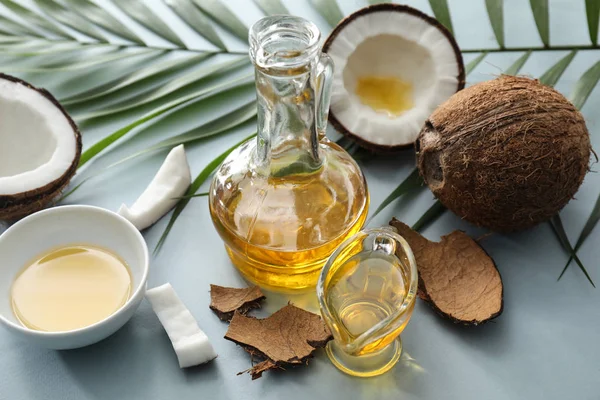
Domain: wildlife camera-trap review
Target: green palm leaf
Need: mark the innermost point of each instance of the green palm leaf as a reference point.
(140, 12)
(34, 18)
(518, 64)
(329, 9)
(192, 77)
(553, 74)
(31, 49)
(199, 95)
(471, 65)
(160, 68)
(587, 229)
(539, 8)
(559, 231)
(592, 10)
(61, 14)
(224, 16)
(272, 7)
(585, 85)
(214, 127)
(495, 10)
(200, 179)
(90, 61)
(430, 215)
(10, 27)
(203, 131)
(196, 19)
(97, 15)
(442, 13)
(412, 182)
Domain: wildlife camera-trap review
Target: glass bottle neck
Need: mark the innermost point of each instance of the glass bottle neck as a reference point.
(288, 138)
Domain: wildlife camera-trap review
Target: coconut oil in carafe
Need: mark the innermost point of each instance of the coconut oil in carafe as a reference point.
(284, 201)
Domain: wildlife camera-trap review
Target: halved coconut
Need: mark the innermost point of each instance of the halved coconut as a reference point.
(40, 147)
(403, 64)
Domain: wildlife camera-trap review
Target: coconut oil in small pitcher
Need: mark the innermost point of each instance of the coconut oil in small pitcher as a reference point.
(283, 202)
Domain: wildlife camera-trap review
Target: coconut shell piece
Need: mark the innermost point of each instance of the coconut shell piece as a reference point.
(19, 205)
(456, 276)
(288, 337)
(224, 301)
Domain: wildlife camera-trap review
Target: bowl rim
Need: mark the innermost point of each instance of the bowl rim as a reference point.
(86, 208)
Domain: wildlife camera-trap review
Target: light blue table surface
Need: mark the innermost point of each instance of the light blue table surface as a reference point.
(545, 345)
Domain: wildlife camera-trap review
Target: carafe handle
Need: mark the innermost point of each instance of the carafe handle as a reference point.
(324, 85)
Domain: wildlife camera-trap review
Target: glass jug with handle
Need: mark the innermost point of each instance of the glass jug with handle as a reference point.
(367, 293)
(284, 201)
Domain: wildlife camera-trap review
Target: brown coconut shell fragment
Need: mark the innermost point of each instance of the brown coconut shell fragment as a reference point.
(288, 337)
(456, 276)
(224, 301)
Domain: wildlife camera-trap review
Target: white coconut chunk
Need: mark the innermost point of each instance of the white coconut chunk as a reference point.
(395, 41)
(171, 182)
(189, 342)
(37, 142)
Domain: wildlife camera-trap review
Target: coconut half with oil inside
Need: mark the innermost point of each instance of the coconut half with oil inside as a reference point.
(40, 147)
(393, 66)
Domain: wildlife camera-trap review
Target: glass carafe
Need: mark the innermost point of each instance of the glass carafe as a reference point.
(284, 201)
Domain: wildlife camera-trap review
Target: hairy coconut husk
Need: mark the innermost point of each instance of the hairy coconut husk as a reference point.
(505, 154)
(18, 205)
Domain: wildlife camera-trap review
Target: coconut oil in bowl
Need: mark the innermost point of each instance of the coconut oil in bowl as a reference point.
(283, 202)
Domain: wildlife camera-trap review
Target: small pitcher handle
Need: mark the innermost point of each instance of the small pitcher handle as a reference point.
(324, 85)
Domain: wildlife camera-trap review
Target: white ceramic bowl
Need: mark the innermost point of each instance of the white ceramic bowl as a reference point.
(61, 226)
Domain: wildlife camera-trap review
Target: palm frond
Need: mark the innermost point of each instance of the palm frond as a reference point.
(97, 15)
(471, 65)
(34, 19)
(196, 96)
(592, 11)
(272, 7)
(163, 67)
(495, 10)
(193, 76)
(224, 16)
(412, 182)
(553, 74)
(140, 12)
(518, 64)
(10, 27)
(197, 20)
(541, 15)
(64, 16)
(584, 86)
(442, 13)
(329, 10)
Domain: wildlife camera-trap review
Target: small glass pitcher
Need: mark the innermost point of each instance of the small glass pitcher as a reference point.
(283, 202)
(366, 293)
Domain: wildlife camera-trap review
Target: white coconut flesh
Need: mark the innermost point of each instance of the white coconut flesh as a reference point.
(38, 145)
(395, 44)
(170, 182)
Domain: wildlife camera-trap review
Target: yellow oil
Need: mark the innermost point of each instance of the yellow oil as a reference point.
(363, 292)
(279, 231)
(387, 94)
(70, 288)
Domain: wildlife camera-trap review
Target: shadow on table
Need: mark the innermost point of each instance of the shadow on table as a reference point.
(126, 365)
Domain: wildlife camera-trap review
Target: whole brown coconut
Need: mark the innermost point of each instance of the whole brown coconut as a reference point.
(505, 154)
